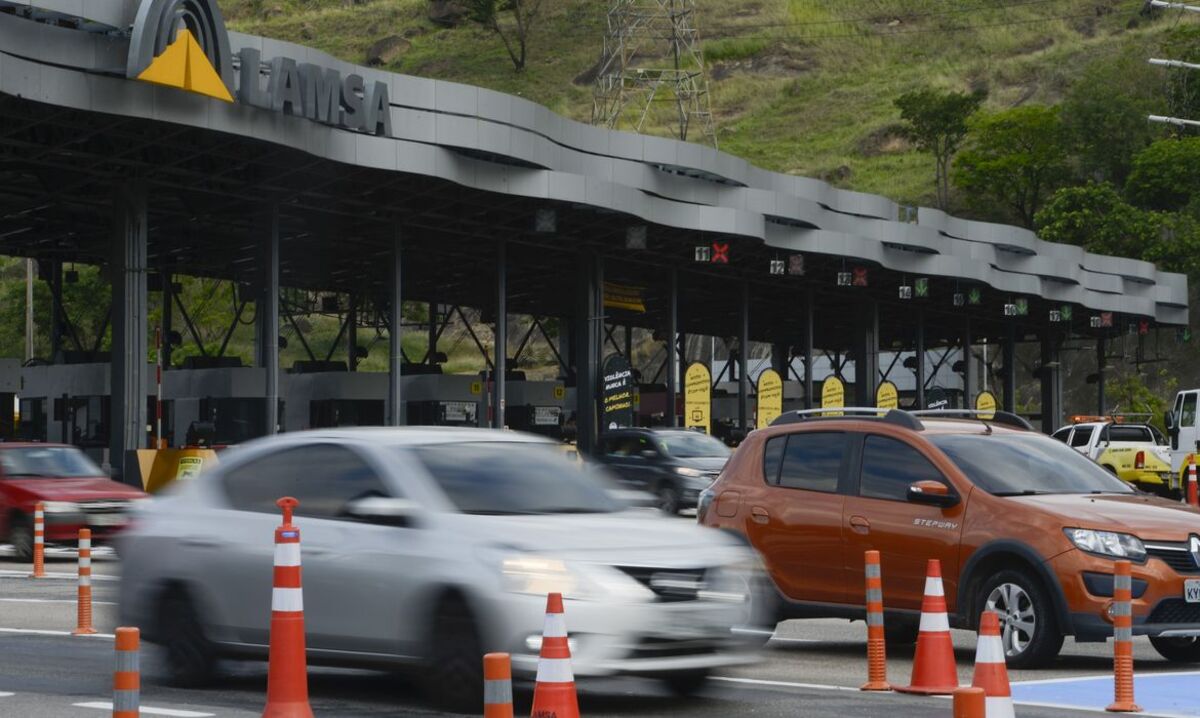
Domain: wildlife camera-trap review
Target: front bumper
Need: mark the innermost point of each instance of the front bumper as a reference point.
(646, 639)
(64, 528)
(1149, 477)
(1159, 610)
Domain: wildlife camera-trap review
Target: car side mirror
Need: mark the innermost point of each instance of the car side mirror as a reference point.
(934, 493)
(1170, 422)
(383, 510)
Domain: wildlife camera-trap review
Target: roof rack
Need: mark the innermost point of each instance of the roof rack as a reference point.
(997, 417)
(891, 416)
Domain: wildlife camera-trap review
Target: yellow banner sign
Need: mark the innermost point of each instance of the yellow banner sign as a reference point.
(887, 396)
(986, 402)
(620, 296)
(697, 397)
(770, 397)
(833, 394)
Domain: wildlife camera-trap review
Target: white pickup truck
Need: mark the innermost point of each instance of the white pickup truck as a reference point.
(1181, 426)
(1135, 452)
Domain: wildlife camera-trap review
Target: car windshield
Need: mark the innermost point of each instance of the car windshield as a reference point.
(690, 445)
(514, 478)
(47, 462)
(1025, 464)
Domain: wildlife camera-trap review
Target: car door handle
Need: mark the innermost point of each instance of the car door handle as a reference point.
(760, 515)
(860, 525)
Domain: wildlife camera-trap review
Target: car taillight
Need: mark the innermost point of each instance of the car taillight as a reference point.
(1140, 461)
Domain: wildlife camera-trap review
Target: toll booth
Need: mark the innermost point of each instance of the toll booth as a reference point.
(436, 399)
(323, 395)
(535, 406)
(216, 391)
(10, 386)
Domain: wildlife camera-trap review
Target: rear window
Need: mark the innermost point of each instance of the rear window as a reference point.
(1138, 434)
(810, 460)
(511, 479)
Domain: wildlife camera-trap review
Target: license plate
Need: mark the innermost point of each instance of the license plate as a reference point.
(114, 520)
(1191, 590)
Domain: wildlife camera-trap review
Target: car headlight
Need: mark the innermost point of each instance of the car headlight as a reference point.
(688, 471)
(539, 576)
(1107, 543)
(60, 507)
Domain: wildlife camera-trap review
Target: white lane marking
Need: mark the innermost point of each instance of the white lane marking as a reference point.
(40, 632)
(148, 711)
(6, 694)
(54, 600)
(9, 573)
(784, 684)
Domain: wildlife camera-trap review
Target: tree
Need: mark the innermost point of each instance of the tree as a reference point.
(936, 121)
(514, 32)
(1104, 114)
(1098, 219)
(1017, 158)
(1166, 175)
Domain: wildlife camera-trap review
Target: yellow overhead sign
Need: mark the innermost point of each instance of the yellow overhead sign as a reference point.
(770, 397)
(697, 397)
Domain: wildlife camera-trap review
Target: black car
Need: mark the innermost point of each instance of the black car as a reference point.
(673, 464)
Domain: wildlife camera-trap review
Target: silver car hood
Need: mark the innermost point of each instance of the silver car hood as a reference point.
(627, 538)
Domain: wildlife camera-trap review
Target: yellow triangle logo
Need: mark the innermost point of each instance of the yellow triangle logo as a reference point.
(185, 66)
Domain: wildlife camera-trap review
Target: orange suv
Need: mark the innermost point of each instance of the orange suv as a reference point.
(1023, 525)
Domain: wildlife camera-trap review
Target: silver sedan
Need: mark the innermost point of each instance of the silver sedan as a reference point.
(428, 547)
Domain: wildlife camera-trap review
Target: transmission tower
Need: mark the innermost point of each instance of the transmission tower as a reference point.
(652, 70)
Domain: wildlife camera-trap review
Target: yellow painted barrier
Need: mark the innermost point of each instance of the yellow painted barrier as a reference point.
(160, 467)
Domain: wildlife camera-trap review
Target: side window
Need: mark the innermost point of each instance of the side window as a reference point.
(1188, 416)
(323, 477)
(889, 466)
(1082, 436)
(812, 461)
(1062, 434)
(773, 458)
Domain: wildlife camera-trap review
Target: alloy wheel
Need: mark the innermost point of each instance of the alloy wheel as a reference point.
(1018, 621)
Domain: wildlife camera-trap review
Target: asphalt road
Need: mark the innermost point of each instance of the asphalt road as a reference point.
(811, 669)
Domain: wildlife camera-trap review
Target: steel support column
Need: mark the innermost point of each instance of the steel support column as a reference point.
(1101, 358)
(268, 317)
(920, 356)
(1051, 376)
(866, 353)
(501, 349)
(1010, 369)
(56, 310)
(589, 329)
(431, 351)
(809, 317)
(743, 361)
(352, 332)
(168, 306)
(395, 399)
(129, 329)
(673, 349)
(970, 381)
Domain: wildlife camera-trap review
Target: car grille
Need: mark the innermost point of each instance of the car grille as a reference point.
(650, 647)
(670, 585)
(1175, 555)
(1175, 610)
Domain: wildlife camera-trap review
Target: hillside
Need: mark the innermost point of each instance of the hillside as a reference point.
(798, 86)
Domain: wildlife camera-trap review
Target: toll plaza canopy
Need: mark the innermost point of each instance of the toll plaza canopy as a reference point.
(142, 135)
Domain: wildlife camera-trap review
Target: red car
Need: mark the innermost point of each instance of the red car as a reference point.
(74, 493)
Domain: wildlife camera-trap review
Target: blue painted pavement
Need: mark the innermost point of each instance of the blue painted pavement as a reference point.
(1175, 695)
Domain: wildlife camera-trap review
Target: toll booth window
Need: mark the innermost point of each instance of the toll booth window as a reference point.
(1082, 436)
(513, 479)
(324, 477)
(889, 466)
(812, 461)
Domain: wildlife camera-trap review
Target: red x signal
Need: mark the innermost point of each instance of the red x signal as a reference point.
(720, 252)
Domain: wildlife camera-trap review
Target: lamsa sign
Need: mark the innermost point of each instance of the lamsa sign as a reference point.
(183, 44)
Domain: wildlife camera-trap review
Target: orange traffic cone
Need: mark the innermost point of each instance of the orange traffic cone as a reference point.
(287, 670)
(554, 693)
(934, 671)
(991, 674)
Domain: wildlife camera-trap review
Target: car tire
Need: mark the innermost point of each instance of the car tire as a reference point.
(1028, 626)
(20, 535)
(1178, 650)
(668, 499)
(686, 683)
(189, 657)
(454, 675)
(901, 631)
